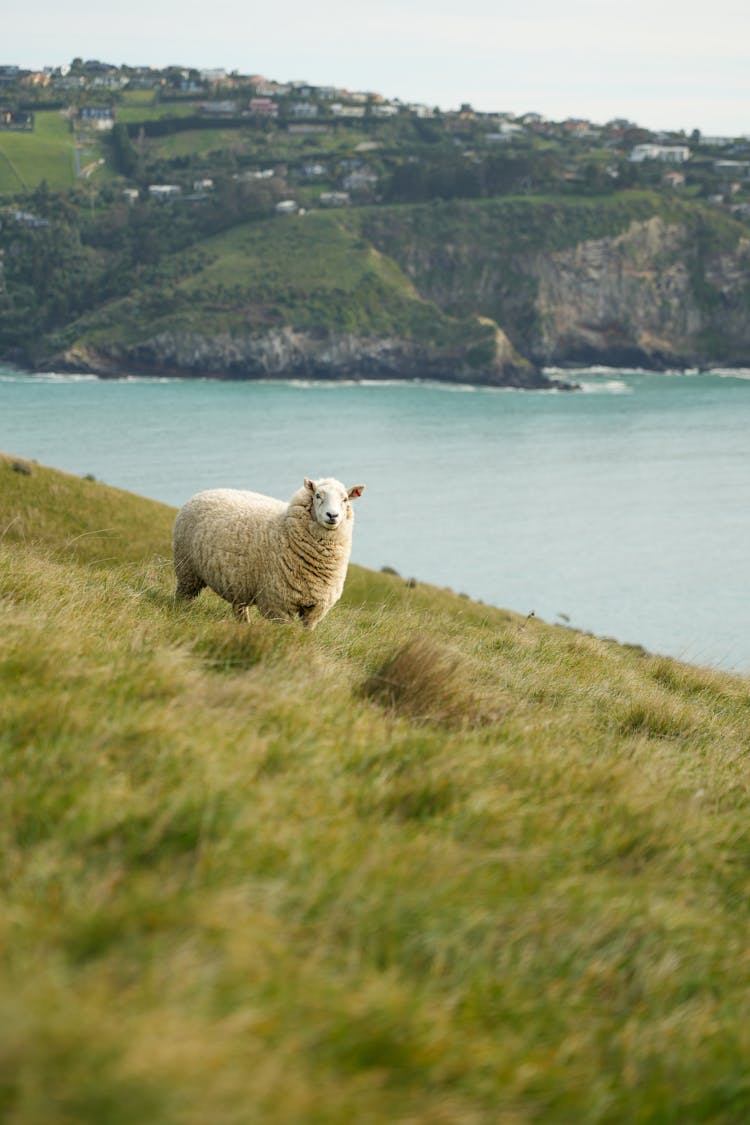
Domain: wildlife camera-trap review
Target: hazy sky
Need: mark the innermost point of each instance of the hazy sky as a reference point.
(663, 63)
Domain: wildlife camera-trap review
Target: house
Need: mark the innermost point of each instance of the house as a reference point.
(287, 207)
(738, 168)
(130, 194)
(668, 154)
(303, 109)
(263, 107)
(26, 219)
(17, 119)
(97, 117)
(271, 89)
(387, 109)
(10, 75)
(203, 185)
(311, 171)
(673, 179)
(340, 110)
(254, 174)
(219, 109)
(334, 199)
(360, 180)
(214, 77)
(164, 192)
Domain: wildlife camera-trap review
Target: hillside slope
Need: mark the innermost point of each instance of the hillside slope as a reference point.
(302, 296)
(483, 291)
(431, 863)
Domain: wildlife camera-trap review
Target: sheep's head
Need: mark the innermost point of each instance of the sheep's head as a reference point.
(330, 501)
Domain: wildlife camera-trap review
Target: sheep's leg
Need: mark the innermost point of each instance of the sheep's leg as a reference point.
(241, 611)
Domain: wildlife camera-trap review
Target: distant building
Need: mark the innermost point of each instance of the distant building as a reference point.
(164, 192)
(668, 154)
(340, 110)
(360, 180)
(304, 109)
(334, 199)
(673, 179)
(287, 207)
(263, 107)
(21, 120)
(97, 117)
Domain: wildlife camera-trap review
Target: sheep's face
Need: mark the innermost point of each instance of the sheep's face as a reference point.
(331, 501)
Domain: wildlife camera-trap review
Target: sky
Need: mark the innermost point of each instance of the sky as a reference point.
(664, 64)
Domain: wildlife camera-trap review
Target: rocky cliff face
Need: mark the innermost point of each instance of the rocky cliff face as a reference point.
(669, 288)
(286, 353)
(639, 298)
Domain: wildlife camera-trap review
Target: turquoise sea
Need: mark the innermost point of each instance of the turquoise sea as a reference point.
(623, 509)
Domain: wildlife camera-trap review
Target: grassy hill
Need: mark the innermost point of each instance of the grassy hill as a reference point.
(310, 272)
(46, 154)
(432, 863)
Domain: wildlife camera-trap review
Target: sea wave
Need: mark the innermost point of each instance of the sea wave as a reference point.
(45, 377)
(730, 372)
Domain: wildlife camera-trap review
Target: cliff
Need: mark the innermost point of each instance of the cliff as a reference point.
(482, 292)
(631, 282)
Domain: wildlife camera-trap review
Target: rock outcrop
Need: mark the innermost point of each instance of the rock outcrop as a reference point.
(284, 353)
(638, 298)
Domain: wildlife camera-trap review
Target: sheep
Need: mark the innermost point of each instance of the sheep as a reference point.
(289, 560)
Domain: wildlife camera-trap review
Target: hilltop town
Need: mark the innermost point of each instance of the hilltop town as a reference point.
(173, 132)
(199, 221)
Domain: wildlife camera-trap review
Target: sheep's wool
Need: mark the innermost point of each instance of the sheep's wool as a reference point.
(254, 550)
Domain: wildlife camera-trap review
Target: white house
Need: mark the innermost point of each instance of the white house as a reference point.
(668, 154)
(164, 191)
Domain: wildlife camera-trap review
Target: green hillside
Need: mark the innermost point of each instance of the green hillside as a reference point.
(26, 159)
(432, 863)
(308, 271)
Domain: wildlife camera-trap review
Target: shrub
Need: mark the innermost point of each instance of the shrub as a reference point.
(427, 681)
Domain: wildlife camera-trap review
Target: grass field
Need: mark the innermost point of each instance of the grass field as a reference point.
(432, 863)
(45, 154)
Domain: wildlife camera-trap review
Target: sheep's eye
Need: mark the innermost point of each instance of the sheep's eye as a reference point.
(318, 496)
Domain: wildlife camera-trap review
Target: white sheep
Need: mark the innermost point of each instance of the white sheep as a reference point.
(289, 560)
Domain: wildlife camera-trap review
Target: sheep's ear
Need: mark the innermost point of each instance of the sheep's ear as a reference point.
(355, 491)
(310, 485)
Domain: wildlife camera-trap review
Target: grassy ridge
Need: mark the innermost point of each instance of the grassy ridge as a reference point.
(309, 272)
(432, 863)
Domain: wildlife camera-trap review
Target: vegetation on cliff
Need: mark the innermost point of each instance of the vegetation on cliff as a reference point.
(432, 862)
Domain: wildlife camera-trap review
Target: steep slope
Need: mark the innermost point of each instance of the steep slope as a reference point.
(433, 862)
(627, 279)
(301, 296)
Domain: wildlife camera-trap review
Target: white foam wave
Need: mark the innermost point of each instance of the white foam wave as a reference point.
(730, 372)
(607, 387)
(46, 377)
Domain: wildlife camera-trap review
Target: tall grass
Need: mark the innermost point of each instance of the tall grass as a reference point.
(237, 887)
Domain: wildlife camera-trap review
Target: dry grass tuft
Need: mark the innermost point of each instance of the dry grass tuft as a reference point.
(430, 682)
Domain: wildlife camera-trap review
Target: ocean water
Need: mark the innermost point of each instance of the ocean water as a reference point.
(623, 509)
